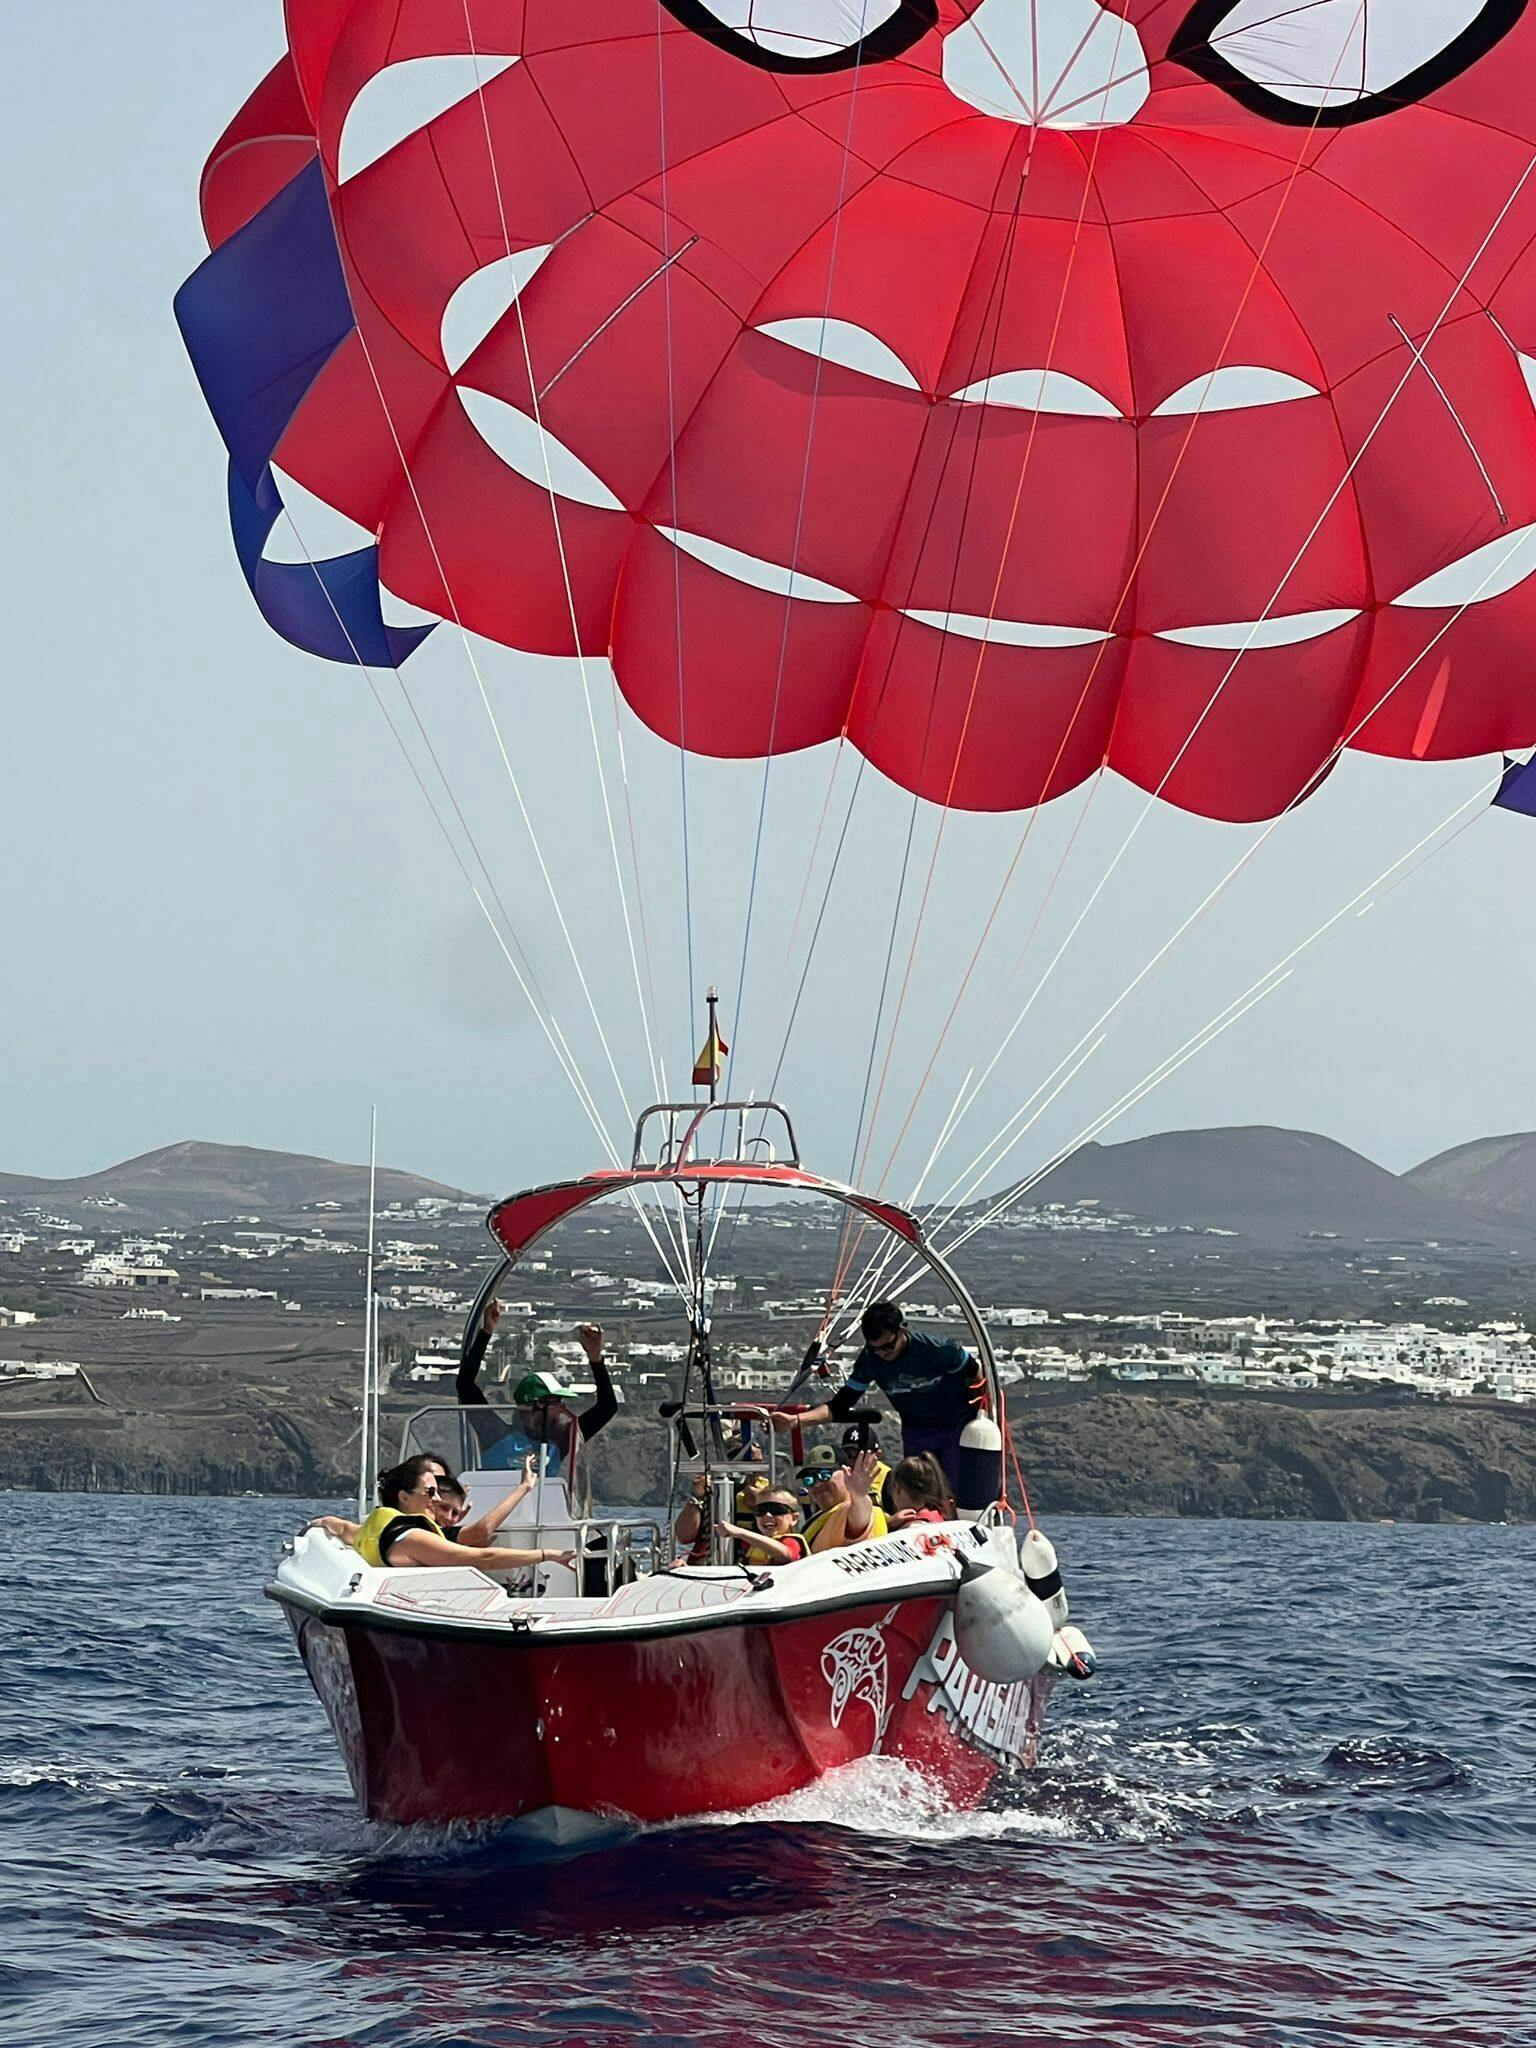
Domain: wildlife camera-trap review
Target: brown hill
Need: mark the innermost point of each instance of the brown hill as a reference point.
(1268, 1183)
(190, 1182)
(1495, 1173)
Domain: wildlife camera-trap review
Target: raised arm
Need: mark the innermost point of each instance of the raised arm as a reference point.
(606, 1405)
(467, 1383)
(484, 1528)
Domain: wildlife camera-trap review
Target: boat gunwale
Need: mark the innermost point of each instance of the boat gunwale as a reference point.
(519, 1633)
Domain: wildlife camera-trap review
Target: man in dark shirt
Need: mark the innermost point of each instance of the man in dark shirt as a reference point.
(506, 1440)
(933, 1383)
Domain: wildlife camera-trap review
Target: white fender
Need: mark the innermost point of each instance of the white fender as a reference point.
(1001, 1630)
(1072, 1652)
(1037, 1556)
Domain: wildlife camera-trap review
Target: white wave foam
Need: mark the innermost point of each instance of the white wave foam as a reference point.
(885, 1796)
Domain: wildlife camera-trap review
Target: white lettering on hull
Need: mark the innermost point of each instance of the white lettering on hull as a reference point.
(995, 1717)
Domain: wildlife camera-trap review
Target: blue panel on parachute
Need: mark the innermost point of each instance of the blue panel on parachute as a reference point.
(1517, 789)
(329, 608)
(256, 354)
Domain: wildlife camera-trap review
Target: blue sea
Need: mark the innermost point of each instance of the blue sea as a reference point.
(1296, 1809)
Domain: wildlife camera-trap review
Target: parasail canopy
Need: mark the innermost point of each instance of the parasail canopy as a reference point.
(1010, 387)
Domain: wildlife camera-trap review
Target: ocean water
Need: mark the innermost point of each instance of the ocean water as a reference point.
(1297, 1809)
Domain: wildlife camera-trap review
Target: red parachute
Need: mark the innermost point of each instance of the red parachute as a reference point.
(1011, 387)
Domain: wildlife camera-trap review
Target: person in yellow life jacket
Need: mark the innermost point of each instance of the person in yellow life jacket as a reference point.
(403, 1529)
(852, 1515)
(774, 1540)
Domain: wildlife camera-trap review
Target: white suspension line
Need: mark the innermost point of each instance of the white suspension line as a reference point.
(1238, 1007)
(881, 1260)
(1256, 989)
(528, 985)
(799, 533)
(501, 745)
(570, 596)
(1195, 418)
(1248, 854)
(686, 848)
(1156, 794)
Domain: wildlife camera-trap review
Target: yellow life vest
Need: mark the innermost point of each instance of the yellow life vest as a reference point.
(366, 1541)
(826, 1532)
(757, 1555)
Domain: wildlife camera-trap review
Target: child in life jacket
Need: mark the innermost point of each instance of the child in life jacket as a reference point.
(776, 1538)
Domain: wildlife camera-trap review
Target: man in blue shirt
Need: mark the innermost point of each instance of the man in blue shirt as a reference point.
(933, 1383)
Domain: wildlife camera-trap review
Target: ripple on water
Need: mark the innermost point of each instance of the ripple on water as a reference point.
(1274, 1821)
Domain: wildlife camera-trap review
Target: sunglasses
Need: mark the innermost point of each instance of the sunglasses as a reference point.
(775, 1507)
(884, 1346)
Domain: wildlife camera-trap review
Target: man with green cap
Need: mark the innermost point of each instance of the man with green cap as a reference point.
(540, 1416)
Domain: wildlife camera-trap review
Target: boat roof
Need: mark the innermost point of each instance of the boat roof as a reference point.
(519, 1221)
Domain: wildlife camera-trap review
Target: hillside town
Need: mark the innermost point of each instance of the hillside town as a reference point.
(89, 1274)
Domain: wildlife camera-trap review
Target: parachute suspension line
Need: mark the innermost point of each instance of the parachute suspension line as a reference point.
(1445, 400)
(565, 573)
(1018, 495)
(990, 1158)
(528, 983)
(1227, 675)
(676, 511)
(1424, 848)
(526, 978)
(1258, 263)
(805, 970)
(855, 79)
(852, 1235)
(983, 1164)
(881, 1259)
(853, 1229)
(463, 632)
(475, 670)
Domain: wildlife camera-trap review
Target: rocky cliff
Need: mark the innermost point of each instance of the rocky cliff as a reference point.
(1101, 1452)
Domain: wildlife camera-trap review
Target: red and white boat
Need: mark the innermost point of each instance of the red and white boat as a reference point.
(649, 1689)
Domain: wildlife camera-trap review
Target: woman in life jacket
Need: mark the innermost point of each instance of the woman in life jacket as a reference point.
(403, 1529)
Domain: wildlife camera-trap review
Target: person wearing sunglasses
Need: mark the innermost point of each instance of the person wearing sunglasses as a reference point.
(933, 1383)
(775, 1538)
(849, 1510)
(403, 1529)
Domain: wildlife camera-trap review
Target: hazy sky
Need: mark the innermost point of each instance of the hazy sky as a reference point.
(229, 914)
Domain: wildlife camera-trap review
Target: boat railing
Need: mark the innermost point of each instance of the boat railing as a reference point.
(697, 1442)
(671, 1135)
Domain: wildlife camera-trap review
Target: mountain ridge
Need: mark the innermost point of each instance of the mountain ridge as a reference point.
(1497, 1173)
(1269, 1181)
(177, 1182)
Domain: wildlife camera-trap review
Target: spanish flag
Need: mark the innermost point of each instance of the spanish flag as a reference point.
(706, 1068)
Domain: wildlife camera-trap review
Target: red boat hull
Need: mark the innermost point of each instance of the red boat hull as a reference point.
(657, 1726)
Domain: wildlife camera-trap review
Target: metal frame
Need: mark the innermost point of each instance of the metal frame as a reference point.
(673, 1154)
(747, 1173)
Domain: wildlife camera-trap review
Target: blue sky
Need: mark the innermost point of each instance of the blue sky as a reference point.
(228, 913)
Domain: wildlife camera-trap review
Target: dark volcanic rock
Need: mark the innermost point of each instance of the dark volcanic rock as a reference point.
(1270, 1183)
(1496, 1173)
(1099, 1452)
(1332, 1459)
(185, 1183)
